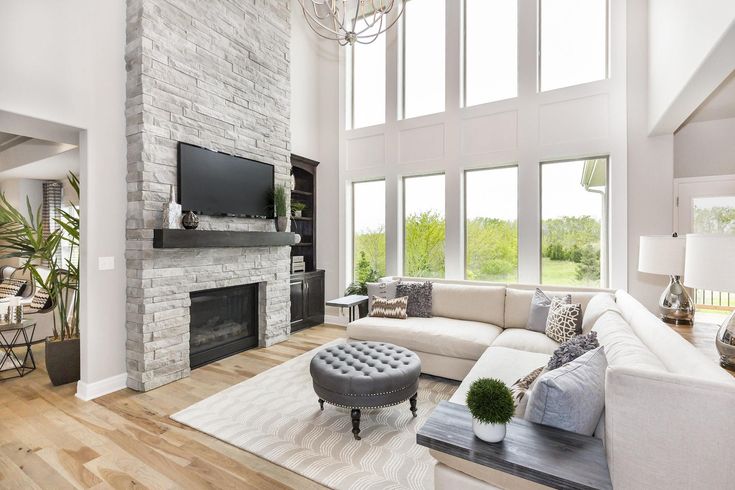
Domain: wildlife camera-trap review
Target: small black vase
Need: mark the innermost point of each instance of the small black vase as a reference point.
(190, 220)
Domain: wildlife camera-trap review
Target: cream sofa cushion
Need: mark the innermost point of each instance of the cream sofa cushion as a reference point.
(599, 304)
(464, 302)
(678, 355)
(437, 335)
(526, 340)
(622, 346)
(518, 303)
(507, 365)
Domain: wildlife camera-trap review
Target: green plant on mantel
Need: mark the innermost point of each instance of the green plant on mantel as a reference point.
(490, 401)
(24, 238)
(280, 200)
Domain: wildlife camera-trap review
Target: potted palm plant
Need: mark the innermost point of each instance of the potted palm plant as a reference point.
(491, 404)
(364, 274)
(280, 206)
(24, 238)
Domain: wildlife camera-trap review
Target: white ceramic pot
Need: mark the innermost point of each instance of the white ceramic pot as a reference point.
(488, 432)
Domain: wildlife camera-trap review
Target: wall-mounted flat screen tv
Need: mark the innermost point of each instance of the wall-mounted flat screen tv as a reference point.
(216, 183)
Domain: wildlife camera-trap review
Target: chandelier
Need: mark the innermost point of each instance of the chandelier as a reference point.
(350, 21)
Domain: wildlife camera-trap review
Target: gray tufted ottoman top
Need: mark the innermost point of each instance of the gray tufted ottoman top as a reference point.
(365, 374)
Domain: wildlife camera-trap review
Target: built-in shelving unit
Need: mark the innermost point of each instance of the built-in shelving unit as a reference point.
(304, 172)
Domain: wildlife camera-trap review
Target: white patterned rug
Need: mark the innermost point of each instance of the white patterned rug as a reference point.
(276, 416)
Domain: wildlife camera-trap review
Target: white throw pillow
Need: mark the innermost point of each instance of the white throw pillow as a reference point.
(383, 289)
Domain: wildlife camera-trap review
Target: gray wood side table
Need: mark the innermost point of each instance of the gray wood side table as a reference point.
(16, 336)
(351, 302)
(534, 452)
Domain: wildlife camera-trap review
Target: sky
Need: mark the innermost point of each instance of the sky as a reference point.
(491, 193)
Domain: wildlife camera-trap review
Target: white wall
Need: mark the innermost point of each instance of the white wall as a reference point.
(574, 122)
(705, 148)
(650, 163)
(64, 62)
(691, 51)
(315, 132)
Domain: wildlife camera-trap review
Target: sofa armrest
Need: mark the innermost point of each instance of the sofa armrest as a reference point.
(668, 430)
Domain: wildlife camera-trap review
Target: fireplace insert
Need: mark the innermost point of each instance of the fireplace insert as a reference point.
(224, 322)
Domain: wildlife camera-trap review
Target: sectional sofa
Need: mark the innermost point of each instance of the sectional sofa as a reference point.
(668, 419)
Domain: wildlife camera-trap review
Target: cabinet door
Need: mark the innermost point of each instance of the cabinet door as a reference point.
(298, 292)
(315, 298)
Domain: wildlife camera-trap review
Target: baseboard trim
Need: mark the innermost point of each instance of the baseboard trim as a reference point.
(335, 320)
(90, 391)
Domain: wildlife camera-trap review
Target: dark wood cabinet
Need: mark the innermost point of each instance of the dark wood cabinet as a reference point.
(307, 299)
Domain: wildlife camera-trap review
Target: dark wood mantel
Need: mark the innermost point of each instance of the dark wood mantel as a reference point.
(164, 238)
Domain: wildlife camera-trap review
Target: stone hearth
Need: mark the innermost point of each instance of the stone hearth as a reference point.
(214, 74)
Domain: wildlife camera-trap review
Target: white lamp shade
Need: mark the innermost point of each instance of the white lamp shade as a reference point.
(662, 254)
(710, 262)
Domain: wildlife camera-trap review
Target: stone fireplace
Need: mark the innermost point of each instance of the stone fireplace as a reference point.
(213, 74)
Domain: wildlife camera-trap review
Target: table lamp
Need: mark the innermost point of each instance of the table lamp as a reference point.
(664, 255)
(710, 264)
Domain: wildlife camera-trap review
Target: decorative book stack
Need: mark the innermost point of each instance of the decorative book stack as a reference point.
(297, 264)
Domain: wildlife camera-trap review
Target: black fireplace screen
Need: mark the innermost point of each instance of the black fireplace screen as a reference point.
(223, 322)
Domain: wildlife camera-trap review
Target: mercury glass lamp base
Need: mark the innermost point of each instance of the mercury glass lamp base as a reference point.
(725, 342)
(675, 304)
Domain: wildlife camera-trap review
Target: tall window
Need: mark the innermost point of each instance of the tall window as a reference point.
(574, 222)
(491, 224)
(423, 57)
(368, 222)
(423, 226)
(368, 82)
(573, 42)
(490, 51)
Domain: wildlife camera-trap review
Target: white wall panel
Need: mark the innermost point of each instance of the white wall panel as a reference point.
(365, 152)
(490, 133)
(421, 144)
(581, 119)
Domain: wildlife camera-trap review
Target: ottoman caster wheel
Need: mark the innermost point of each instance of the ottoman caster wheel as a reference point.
(321, 404)
(355, 413)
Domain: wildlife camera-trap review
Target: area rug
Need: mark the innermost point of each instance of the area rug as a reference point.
(276, 416)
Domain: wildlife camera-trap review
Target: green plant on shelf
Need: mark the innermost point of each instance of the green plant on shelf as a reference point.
(490, 401)
(297, 206)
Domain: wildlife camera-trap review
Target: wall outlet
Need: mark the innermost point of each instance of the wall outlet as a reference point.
(105, 263)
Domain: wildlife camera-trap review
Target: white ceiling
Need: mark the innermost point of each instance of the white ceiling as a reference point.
(22, 157)
(55, 167)
(8, 140)
(719, 105)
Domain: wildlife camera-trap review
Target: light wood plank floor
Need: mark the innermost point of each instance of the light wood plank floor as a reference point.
(51, 439)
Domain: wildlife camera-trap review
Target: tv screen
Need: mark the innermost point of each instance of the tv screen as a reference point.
(220, 184)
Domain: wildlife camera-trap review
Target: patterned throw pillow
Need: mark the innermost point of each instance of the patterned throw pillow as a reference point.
(12, 287)
(521, 388)
(389, 308)
(572, 349)
(41, 300)
(565, 320)
(539, 312)
(419, 297)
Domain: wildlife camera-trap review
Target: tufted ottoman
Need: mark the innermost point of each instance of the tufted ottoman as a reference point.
(365, 375)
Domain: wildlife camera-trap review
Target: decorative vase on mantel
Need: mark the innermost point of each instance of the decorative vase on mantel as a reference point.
(172, 212)
(281, 223)
(190, 220)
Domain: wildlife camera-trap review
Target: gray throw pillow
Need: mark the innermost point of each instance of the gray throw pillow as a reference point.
(383, 289)
(540, 310)
(419, 297)
(572, 349)
(571, 397)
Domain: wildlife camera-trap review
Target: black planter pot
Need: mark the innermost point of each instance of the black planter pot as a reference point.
(62, 361)
(363, 309)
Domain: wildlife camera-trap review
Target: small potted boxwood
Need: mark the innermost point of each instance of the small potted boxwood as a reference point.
(491, 405)
(297, 208)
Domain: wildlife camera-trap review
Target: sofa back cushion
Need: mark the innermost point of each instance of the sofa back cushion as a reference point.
(676, 353)
(598, 305)
(468, 302)
(622, 345)
(518, 304)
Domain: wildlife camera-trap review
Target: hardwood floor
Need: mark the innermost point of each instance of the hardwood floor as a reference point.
(51, 439)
